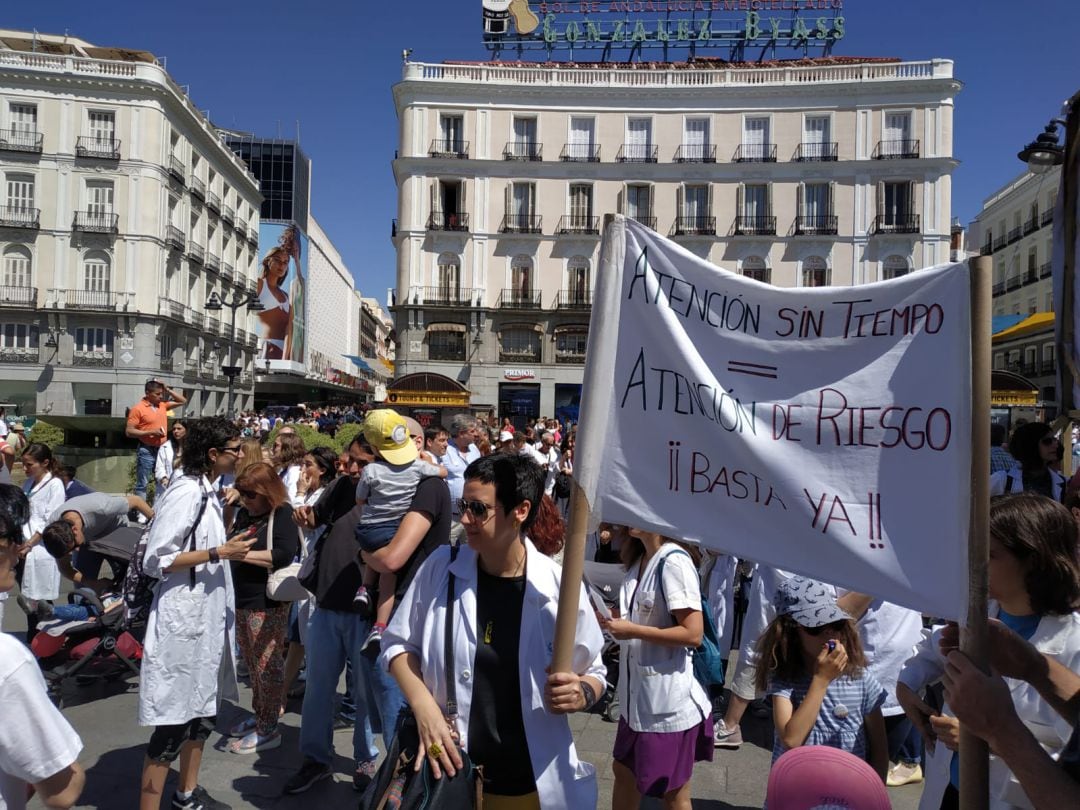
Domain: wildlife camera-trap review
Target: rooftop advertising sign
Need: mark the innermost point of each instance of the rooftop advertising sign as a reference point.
(745, 28)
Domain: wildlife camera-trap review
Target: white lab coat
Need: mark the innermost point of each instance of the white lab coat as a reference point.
(188, 665)
(999, 480)
(163, 466)
(562, 780)
(1056, 636)
(718, 586)
(41, 577)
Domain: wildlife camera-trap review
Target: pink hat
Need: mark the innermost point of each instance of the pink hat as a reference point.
(813, 776)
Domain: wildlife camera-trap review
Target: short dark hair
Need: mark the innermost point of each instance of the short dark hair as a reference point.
(58, 538)
(326, 459)
(1024, 444)
(1042, 535)
(997, 433)
(203, 436)
(516, 478)
(432, 433)
(14, 512)
(69, 470)
(153, 385)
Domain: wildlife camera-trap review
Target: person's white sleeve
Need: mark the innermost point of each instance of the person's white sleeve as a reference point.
(997, 482)
(926, 666)
(36, 741)
(169, 531)
(292, 478)
(588, 642)
(162, 464)
(52, 497)
(682, 588)
(405, 632)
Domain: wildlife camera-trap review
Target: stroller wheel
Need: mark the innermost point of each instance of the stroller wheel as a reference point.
(611, 711)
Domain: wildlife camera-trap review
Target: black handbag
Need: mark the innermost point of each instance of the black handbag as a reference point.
(397, 786)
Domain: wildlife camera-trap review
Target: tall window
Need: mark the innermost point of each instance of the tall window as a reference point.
(896, 135)
(756, 143)
(754, 267)
(896, 203)
(20, 191)
(452, 132)
(525, 143)
(582, 138)
(755, 208)
(448, 205)
(581, 205)
(815, 272)
(92, 339)
(570, 344)
(696, 204)
(816, 142)
(639, 139)
(444, 344)
(23, 118)
(521, 207)
(18, 336)
(99, 197)
(17, 266)
(519, 344)
(521, 278)
(577, 280)
(894, 267)
(815, 205)
(103, 126)
(639, 203)
(97, 272)
(448, 278)
(696, 147)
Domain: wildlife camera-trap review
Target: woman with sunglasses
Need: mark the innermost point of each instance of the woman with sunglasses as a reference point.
(511, 712)
(261, 622)
(1035, 448)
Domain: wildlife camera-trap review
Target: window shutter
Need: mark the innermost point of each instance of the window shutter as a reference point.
(434, 199)
(649, 201)
(800, 200)
(620, 201)
(910, 200)
(461, 197)
(830, 200)
(768, 199)
(508, 201)
(680, 202)
(740, 194)
(709, 211)
(881, 198)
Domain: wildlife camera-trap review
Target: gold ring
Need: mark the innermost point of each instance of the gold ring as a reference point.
(434, 750)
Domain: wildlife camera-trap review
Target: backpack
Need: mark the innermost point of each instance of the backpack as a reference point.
(138, 588)
(708, 663)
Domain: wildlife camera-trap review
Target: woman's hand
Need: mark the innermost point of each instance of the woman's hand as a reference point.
(230, 496)
(436, 733)
(620, 629)
(830, 664)
(236, 547)
(919, 713)
(304, 517)
(947, 730)
(562, 693)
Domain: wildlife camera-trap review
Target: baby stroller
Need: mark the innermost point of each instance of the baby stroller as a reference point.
(602, 583)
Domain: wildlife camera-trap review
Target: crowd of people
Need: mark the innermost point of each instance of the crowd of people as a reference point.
(426, 564)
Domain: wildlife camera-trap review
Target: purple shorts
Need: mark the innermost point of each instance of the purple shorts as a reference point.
(662, 761)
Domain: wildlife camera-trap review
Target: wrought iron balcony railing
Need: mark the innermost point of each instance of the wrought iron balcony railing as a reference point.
(177, 169)
(17, 296)
(578, 224)
(896, 223)
(1047, 217)
(521, 223)
(647, 220)
(196, 253)
(580, 153)
(89, 299)
(696, 153)
(999, 288)
(449, 148)
(93, 358)
(987, 248)
(226, 272)
(1014, 283)
(169, 308)
(213, 325)
(198, 188)
(1031, 225)
(228, 215)
(1014, 235)
(695, 226)
(896, 149)
(96, 222)
(523, 150)
(1000, 242)
(573, 299)
(213, 263)
(213, 201)
(18, 354)
(448, 296)
(101, 148)
(17, 216)
(637, 153)
(17, 140)
(755, 226)
(443, 221)
(175, 237)
(1046, 269)
(755, 153)
(807, 152)
(519, 299)
(818, 225)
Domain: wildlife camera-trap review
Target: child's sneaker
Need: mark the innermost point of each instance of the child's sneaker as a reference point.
(373, 643)
(362, 601)
(727, 738)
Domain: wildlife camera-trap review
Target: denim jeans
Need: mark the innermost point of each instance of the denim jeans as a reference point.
(905, 744)
(382, 692)
(334, 637)
(144, 468)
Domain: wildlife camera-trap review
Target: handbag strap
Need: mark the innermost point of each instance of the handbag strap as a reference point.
(194, 528)
(448, 642)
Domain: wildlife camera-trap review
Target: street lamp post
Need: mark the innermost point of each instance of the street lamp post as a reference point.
(237, 300)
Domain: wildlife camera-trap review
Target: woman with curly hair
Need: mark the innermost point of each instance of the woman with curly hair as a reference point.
(286, 455)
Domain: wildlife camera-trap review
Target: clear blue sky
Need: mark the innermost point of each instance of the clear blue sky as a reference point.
(329, 64)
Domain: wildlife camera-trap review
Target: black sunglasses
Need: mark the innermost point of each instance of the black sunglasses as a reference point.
(1048, 440)
(817, 631)
(247, 493)
(478, 509)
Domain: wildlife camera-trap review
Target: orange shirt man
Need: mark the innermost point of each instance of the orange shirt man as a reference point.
(148, 420)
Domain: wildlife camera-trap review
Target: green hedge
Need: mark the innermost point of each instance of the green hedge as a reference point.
(47, 434)
(309, 436)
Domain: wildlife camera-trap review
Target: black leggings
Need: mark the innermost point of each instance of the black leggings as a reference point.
(166, 741)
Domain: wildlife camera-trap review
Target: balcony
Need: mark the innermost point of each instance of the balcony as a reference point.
(253, 237)
(1047, 217)
(521, 223)
(227, 330)
(198, 188)
(569, 358)
(1046, 269)
(574, 299)
(523, 150)
(1014, 283)
(580, 153)
(999, 288)
(93, 359)
(1031, 276)
(18, 354)
(987, 248)
(696, 153)
(14, 140)
(896, 223)
(96, 222)
(579, 225)
(17, 296)
(440, 221)
(172, 366)
(250, 286)
(637, 153)
(896, 150)
(167, 308)
(250, 340)
(448, 296)
(695, 226)
(1000, 242)
(87, 299)
(175, 237)
(12, 216)
(213, 263)
(177, 169)
(755, 226)
(97, 148)
(1014, 235)
(196, 319)
(1031, 225)
(227, 272)
(228, 215)
(816, 225)
(442, 148)
(755, 153)
(519, 299)
(816, 152)
(196, 253)
(646, 220)
(213, 325)
(213, 201)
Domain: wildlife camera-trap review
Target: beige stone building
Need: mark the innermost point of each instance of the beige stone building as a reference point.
(817, 172)
(122, 214)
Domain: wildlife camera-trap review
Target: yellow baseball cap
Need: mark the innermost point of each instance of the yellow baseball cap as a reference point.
(388, 432)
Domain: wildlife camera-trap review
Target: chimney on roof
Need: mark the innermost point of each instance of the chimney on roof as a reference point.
(956, 241)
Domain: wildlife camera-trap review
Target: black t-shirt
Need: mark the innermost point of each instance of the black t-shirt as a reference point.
(249, 581)
(433, 499)
(496, 728)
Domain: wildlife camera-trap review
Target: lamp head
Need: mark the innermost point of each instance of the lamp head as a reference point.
(213, 301)
(1044, 152)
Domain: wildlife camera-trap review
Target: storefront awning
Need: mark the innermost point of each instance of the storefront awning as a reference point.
(360, 362)
(446, 327)
(1033, 323)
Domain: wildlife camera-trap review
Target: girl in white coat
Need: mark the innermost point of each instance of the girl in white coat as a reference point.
(1035, 448)
(1034, 579)
(168, 456)
(40, 577)
(187, 663)
(511, 713)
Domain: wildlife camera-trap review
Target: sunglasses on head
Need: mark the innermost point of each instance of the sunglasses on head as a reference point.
(817, 631)
(478, 509)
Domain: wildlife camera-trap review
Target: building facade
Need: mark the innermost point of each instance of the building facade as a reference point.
(817, 172)
(123, 215)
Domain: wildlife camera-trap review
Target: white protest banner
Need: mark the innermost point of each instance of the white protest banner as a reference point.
(823, 430)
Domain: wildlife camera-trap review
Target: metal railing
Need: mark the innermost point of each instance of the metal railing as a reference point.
(89, 299)
(91, 358)
(101, 148)
(213, 325)
(1047, 217)
(15, 140)
(569, 358)
(755, 226)
(227, 273)
(1031, 276)
(198, 188)
(447, 296)
(647, 220)
(213, 201)
(177, 168)
(573, 299)
(696, 153)
(755, 153)
(17, 216)
(1031, 225)
(1014, 235)
(523, 150)
(987, 248)
(519, 299)
(521, 223)
(213, 263)
(448, 351)
(196, 253)
(228, 215)
(444, 148)
(1014, 283)
(998, 288)
(196, 319)
(17, 296)
(816, 225)
(695, 226)
(169, 308)
(442, 221)
(175, 237)
(896, 223)
(519, 356)
(637, 153)
(580, 153)
(578, 224)
(96, 222)
(1046, 269)
(807, 152)
(1000, 242)
(896, 149)
(18, 354)
(250, 339)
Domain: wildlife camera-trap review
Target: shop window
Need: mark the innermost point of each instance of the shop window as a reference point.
(519, 345)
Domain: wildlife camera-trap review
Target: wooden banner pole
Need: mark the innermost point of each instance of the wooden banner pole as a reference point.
(974, 640)
(573, 568)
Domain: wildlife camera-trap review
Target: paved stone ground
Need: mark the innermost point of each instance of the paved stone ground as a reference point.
(104, 715)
